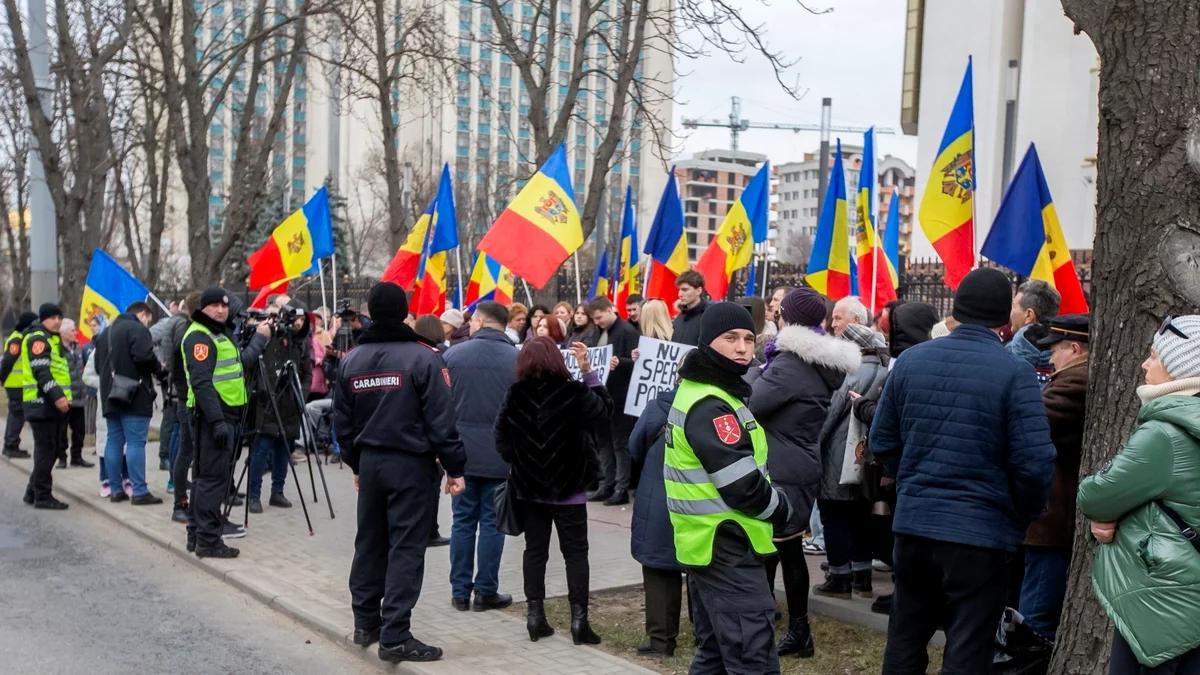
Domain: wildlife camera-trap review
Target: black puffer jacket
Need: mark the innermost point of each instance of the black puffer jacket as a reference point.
(286, 345)
(546, 431)
(685, 328)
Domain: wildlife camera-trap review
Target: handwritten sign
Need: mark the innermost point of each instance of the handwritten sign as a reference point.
(653, 372)
(599, 358)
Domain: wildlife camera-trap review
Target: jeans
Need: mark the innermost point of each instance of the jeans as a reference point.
(475, 509)
(847, 535)
(1044, 588)
(958, 587)
(127, 437)
(103, 464)
(570, 520)
(815, 526)
(267, 451)
(167, 428)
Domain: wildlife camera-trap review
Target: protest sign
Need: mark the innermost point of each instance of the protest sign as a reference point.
(599, 358)
(653, 372)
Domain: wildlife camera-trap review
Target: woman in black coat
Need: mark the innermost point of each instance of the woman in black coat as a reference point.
(545, 430)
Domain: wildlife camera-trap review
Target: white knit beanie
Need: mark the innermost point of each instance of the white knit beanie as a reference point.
(1180, 356)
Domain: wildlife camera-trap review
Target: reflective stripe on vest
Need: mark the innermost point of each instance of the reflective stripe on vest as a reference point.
(693, 498)
(16, 378)
(60, 368)
(227, 376)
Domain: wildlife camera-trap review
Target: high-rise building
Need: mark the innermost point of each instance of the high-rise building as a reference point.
(709, 183)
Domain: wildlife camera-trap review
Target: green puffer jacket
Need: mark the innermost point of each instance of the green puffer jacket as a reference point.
(1148, 578)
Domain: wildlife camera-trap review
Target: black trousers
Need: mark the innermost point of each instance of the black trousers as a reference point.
(16, 417)
(664, 598)
(183, 461)
(733, 611)
(570, 520)
(434, 496)
(393, 533)
(45, 449)
(959, 587)
(72, 434)
(211, 483)
(1123, 662)
(170, 419)
(614, 455)
(847, 526)
(795, 575)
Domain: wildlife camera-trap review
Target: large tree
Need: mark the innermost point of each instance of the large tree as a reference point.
(1147, 245)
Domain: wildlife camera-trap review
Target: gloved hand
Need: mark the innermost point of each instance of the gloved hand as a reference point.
(222, 434)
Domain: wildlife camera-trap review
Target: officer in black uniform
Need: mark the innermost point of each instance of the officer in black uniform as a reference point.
(395, 419)
(12, 378)
(216, 395)
(46, 397)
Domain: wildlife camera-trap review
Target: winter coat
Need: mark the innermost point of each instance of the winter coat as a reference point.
(686, 326)
(546, 430)
(867, 380)
(790, 400)
(587, 336)
(482, 369)
(1148, 578)
(286, 345)
(1065, 397)
(962, 426)
(125, 347)
(624, 339)
(320, 385)
(163, 333)
(652, 539)
(91, 379)
(75, 359)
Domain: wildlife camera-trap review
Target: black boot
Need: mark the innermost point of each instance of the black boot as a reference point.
(798, 639)
(535, 620)
(860, 582)
(581, 630)
(835, 586)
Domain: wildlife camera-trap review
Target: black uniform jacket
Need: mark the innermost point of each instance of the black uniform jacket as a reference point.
(200, 370)
(393, 395)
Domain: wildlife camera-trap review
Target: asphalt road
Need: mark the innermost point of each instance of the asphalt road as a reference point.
(78, 594)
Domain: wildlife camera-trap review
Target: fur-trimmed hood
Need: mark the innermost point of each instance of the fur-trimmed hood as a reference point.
(819, 350)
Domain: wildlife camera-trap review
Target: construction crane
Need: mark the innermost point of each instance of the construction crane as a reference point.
(737, 124)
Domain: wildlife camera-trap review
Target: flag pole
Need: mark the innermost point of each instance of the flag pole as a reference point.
(324, 300)
(578, 283)
(766, 272)
(159, 303)
(528, 295)
(333, 273)
(458, 264)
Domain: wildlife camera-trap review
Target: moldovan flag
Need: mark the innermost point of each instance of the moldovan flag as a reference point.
(108, 290)
(489, 281)
(1026, 236)
(402, 270)
(541, 227)
(891, 230)
(429, 296)
(629, 269)
(599, 286)
(666, 246)
(875, 269)
(296, 245)
(829, 262)
(733, 245)
(274, 288)
(947, 208)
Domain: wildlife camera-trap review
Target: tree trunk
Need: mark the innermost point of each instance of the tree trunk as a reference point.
(385, 71)
(1146, 247)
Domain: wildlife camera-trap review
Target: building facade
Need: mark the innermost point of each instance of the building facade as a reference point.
(709, 183)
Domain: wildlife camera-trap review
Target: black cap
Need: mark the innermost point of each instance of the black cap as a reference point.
(388, 303)
(984, 298)
(721, 317)
(49, 310)
(1072, 327)
(213, 296)
(25, 321)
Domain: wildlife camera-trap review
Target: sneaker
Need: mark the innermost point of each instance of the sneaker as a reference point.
(146, 500)
(105, 489)
(813, 549)
(232, 531)
(880, 566)
(170, 487)
(218, 551)
(127, 487)
(411, 650)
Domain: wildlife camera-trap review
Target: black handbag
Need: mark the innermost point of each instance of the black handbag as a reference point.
(123, 388)
(507, 520)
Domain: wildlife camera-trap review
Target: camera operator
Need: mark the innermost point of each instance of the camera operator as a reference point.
(216, 395)
(272, 446)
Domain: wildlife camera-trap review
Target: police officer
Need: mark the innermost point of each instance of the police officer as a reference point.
(395, 419)
(13, 377)
(216, 394)
(46, 398)
(722, 506)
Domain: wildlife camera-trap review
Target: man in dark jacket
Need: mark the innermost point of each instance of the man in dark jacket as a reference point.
(394, 416)
(482, 369)
(614, 451)
(691, 305)
(962, 426)
(126, 349)
(1049, 539)
(12, 376)
(272, 446)
(169, 430)
(181, 461)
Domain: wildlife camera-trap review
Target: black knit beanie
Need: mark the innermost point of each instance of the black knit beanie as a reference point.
(48, 310)
(721, 317)
(984, 298)
(388, 304)
(25, 321)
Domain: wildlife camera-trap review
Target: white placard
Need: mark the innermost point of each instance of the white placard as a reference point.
(599, 357)
(653, 372)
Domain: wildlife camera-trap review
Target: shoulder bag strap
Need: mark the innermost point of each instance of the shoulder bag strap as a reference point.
(1186, 530)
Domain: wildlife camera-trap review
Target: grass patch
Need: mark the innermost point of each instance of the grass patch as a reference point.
(618, 615)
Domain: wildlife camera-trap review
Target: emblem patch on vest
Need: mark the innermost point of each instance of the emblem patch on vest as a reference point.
(728, 429)
(200, 351)
(37, 347)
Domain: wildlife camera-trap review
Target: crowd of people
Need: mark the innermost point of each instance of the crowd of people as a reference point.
(945, 450)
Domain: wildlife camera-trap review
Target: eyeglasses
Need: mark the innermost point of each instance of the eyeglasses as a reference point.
(1168, 326)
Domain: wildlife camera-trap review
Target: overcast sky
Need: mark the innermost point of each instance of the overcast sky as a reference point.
(854, 54)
